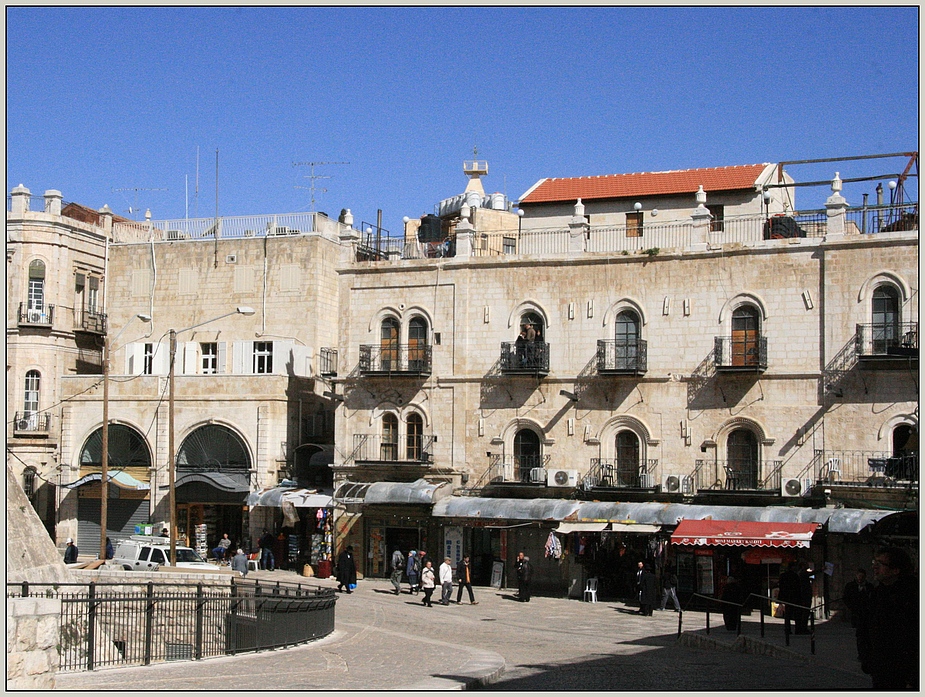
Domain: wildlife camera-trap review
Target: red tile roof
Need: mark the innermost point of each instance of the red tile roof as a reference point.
(684, 181)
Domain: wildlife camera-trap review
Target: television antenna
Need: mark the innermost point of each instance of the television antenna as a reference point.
(133, 209)
(313, 177)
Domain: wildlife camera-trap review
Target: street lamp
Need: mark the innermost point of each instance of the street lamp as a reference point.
(171, 460)
(104, 472)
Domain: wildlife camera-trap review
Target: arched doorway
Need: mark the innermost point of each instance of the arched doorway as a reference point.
(527, 453)
(742, 460)
(627, 449)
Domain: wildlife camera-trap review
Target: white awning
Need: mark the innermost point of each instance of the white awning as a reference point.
(634, 527)
(566, 528)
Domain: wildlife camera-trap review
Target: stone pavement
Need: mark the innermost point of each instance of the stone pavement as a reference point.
(383, 641)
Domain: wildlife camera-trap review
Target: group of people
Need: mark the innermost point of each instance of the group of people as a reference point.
(529, 336)
(421, 576)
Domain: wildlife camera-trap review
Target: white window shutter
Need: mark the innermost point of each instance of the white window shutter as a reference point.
(134, 358)
(220, 366)
(161, 362)
(282, 357)
(191, 365)
(243, 357)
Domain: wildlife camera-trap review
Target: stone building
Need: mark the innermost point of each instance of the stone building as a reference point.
(694, 346)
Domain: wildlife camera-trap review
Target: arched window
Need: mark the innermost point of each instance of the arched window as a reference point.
(627, 448)
(884, 318)
(37, 285)
(417, 344)
(414, 437)
(388, 343)
(30, 405)
(213, 448)
(389, 447)
(28, 482)
(742, 460)
(127, 448)
(626, 344)
(746, 332)
(533, 321)
(526, 453)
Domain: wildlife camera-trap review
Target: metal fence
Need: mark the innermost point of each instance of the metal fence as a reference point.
(124, 624)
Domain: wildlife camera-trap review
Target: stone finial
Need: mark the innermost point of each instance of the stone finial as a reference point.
(579, 209)
(836, 184)
(701, 196)
(346, 217)
(465, 211)
(20, 202)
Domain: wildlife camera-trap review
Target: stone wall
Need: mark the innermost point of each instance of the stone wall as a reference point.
(32, 637)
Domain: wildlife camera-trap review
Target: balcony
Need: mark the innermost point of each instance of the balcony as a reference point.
(887, 346)
(91, 322)
(867, 468)
(740, 475)
(522, 469)
(376, 448)
(34, 317)
(411, 360)
(327, 362)
(734, 355)
(526, 358)
(31, 424)
(620, 474)
(621, 357)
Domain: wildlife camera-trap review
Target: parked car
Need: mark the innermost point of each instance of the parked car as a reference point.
(149, 552)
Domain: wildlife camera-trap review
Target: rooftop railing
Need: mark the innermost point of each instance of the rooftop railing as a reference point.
(271, 225)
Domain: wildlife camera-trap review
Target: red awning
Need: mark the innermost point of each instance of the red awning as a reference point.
(743, 533)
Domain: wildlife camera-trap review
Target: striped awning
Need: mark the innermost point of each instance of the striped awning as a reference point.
(743, 533)
(121, 479)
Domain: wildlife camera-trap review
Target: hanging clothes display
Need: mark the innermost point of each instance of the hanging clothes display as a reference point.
(553, 546)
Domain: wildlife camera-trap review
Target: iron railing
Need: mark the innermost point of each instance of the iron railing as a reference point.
(327, 361)
(124, 624)
(31, 422)
(34, 316)
(866, 467)
(518, 468)
(876, 219)
(279, 224)
(92, 321)
(407, 359)
(374, 447)
(734, 354)
(887, 339)
(620, 473)
(619, 357)
(739, 475)
(527, 357)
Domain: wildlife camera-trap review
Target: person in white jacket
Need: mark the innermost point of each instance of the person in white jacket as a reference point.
(446, 581)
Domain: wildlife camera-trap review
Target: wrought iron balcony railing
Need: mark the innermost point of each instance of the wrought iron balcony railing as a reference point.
(395, 359)
(30, 316)
(29, 422)
(742, 475)
(327, 362)
(621, 357)
(731, 354)
(620, 473)
(888, 339)
(866, 467)
(528, 469)
(525, 358)
(374, 447)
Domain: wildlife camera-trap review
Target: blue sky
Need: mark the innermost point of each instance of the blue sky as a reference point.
(101, 99)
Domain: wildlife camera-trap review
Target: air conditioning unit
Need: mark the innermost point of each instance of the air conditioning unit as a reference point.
(562, 478)
(538, 475)
(677, 484)
(34, 316)
(22, 425)
(792, 487)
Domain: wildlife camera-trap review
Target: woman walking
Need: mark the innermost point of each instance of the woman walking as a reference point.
(428, 583)
(413, 570)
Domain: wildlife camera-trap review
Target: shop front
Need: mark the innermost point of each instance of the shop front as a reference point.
(707, 553)
(301, 522)
(209, 505)
(127, 506)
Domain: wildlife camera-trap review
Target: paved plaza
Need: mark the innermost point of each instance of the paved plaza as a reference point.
(383, 641)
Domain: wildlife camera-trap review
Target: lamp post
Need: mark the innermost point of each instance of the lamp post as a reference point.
(104, 469)
(171, 458)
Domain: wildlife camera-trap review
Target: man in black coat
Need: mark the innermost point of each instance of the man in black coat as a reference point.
(524, 575)
(647, 592)
(788, 593)
(855, 596)
(888, 633)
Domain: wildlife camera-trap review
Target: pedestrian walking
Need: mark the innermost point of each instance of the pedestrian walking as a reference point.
(670, 589)
(428, 583)
(788, 593)
(888, 634)
(239, 562)
(640, 567)
(346, 570)
(733, 596)
(647, 594)
(110, 552)
(524, 577)
(413, 571)
(464, 576)
(855, 595)
(398, 566)
(446, 581)
(266, 542)
(70, 552)
(806, 599)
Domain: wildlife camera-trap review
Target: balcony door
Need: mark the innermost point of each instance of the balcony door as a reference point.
(389, 447)
(31, 400)
(746, 331)
(627, 447)
(885, 319)
(417, 344)
(37, 286)
(388, 344)
(742, 454)
(626, 344)
(414, 438)
(526, 453)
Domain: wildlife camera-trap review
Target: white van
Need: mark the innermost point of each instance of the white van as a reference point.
(149, 552)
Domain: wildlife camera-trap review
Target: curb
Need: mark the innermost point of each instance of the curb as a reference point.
(743, 644)
(484, 668)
